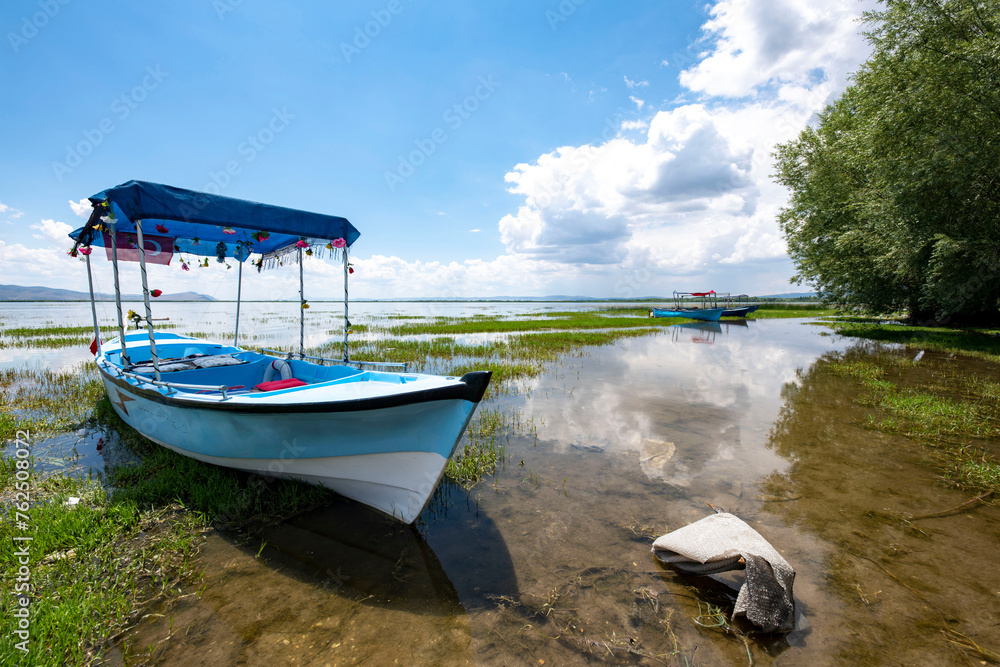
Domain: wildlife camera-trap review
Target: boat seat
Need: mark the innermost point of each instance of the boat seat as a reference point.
(189, 363)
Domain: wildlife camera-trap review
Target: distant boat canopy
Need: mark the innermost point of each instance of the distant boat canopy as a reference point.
(197, 223)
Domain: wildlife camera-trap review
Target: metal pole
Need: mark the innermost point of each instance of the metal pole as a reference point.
(118, 297)
(93, 306)
(302, 310)
(145, 298)
(239, 289)
(347, 323)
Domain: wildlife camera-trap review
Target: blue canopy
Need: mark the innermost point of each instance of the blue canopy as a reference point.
(198, 222)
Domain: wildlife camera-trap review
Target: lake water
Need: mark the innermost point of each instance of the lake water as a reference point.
(549, 562)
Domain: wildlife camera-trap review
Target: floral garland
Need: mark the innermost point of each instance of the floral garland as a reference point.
(335, 249)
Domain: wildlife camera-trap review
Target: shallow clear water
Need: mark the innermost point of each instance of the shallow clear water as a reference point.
(550, 560)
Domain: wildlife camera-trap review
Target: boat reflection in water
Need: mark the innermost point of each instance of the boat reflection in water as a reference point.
(339, 584)
(392, 565)
(695, 332)
(704, 332)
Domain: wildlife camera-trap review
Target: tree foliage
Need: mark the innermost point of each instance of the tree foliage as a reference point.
(895, 193)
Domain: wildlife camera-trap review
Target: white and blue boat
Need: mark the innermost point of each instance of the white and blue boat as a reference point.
(370, 431)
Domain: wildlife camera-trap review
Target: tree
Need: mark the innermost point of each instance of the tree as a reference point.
(895, 193)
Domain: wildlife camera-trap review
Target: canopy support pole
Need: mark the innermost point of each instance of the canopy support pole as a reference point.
(93, 305)
(239, 289)
(347, 322)
(145, 298)
(126, 364)
(302, 310)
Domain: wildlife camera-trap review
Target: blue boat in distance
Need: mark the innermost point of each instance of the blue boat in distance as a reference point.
(738, 306)
(704, 313)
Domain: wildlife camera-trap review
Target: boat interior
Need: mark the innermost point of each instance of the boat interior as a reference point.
(193, 362)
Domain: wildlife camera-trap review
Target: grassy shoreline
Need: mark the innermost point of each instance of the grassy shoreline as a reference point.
(97, 563)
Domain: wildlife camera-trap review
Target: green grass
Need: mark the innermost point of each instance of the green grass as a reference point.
(34, 332)
(982, 343)
(91, 568)
(777, 311)
(560, 321)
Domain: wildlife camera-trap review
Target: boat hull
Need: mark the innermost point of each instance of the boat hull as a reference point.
(704, 314)
(742, 311)
(388, 452)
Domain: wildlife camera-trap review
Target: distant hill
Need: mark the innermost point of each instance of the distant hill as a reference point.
(21, 293)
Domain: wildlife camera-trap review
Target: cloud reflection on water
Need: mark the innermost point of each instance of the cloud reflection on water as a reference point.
(691, 401)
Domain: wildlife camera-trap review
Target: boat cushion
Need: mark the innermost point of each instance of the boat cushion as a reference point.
(280, 384)
(189, 363)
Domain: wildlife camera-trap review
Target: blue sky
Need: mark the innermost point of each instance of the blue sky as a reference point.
(520, 148)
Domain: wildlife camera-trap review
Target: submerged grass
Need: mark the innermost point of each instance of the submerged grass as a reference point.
(957, 426)
(485, 446)
(42, 400)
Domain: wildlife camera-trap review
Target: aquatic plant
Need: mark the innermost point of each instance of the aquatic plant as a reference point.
(43, 400)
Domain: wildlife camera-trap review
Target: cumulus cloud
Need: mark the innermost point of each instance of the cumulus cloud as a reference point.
(760, 42)
(51, 230)
(82, 208)
(694, 195)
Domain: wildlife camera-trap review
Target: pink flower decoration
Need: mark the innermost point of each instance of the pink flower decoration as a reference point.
(228, 230)
(185, 266)
(162, 229)
(339, 243)
(301, 244)
(85, 251)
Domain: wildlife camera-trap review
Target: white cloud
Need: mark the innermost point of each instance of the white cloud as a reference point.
(10, 212)
(694, 197)
(48, 266)
(56, 232)
(760, 42)
(634, 125)
(82, 208)
(635, 84)
(475, 230)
